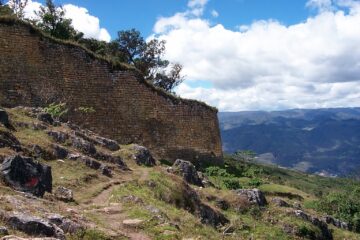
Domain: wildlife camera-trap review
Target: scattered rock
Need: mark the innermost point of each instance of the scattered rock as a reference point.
(133, 223)
(110, 144)
(188, 171)
(60, 152)
(31, 225)
(106, 170)
(142, 156)
(254, 196)
(3, 231)
(64, 194)
(205, 180)
(337, 223)
(93, 164)
(4, 119)
(38, 126)
(67, 225)
(111, 159)
(211, 216)
(74, 156)
(194, 205)
(297, 205)
(222, 204)
(59, 137)
(326, 233)
(11, 237)
(39, 152)
(279, 202)
(132, 199)
(7, 139)
(45, 117)
(25, 175)
(84, 146)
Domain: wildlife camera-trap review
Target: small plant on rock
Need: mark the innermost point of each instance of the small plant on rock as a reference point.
(56, 110)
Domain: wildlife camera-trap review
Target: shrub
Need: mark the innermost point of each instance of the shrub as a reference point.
(255, 182)
(232, 183)
(56, 110)
(217, 172)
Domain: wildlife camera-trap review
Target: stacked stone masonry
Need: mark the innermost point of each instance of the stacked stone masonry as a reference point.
(36, 70)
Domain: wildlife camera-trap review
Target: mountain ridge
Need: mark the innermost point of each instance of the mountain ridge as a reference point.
(313, 140)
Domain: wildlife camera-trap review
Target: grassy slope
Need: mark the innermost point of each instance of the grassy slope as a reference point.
(100, 200)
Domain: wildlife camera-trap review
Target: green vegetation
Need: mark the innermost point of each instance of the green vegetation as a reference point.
(56, 110)
(165, 204)
(344, 205)
(52, 21)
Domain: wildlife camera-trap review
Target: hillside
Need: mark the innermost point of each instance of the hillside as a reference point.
(317, 141)
(102, 190)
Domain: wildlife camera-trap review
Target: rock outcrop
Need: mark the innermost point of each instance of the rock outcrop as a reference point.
(254, 196)
(187, 170)
(142, 156)
(326, 233)
(4, 119)
(25, 175)
(33, 226)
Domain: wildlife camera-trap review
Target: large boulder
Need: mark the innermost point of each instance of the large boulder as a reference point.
(25, 175)
(142, 156)
(188, 171)
(33, 226)
(254, 196)
(4, 119)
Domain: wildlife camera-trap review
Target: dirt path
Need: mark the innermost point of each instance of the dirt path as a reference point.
(103, 197)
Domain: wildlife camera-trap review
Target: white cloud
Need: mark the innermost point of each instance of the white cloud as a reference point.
(86, 23)
(322, 5)
(268, 65)
(82, 20)
(214, 13)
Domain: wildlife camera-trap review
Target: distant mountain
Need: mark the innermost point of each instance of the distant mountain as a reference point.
(324, 141)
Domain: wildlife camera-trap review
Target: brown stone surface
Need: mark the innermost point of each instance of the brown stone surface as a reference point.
(35, 71)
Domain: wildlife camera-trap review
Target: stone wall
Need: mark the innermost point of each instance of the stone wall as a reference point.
(36, 70)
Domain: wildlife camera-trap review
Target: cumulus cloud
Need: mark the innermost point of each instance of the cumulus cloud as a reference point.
(269, 65)
(322, 5)
(86, 23)
(82, 20)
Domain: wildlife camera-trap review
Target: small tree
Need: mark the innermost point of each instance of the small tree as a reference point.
(18, 7)
(53, 21)
(148, 58)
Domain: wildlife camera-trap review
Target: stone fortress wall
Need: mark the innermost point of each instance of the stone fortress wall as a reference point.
(36, 70)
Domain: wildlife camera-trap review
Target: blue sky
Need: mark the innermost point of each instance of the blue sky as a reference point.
(117, 15)
(243, 54)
